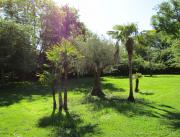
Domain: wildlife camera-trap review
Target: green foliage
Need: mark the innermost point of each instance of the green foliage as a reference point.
(26, 12)
(154, 50)
(176, 52)
(122, 32)
(98, 53)
(46, 78)
(167, 22)
(64, 51)
(16, 52)
(167, 18)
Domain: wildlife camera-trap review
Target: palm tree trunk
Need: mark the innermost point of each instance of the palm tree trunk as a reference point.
(60, 101)
(65, 90)
(97, 91)
(131, 97)
(60, 89)
(54, 95)
(137, 85)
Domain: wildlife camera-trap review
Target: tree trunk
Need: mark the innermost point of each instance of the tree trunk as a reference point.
(137, 85)
(60, 100)
(60, 89)
(65, 91)
(131, 97)
(54, 95)
(97, 91)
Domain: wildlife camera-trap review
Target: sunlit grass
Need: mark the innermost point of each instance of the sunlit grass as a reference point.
(26, 110)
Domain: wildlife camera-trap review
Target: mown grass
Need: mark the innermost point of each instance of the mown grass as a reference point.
(26, 109)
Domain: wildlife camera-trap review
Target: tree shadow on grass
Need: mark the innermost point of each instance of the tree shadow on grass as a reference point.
(141, 107)
(166, 106)
(146, 93)
(172, 119)
(84, 85)
(15, 92)
(68, 125)
(111, 87)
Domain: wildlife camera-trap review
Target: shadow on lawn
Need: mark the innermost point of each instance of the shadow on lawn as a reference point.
(141, 107)
(68, 125)
(146, 93)
(84, 85)
(15, 92)
(111, 87)
(172, 119)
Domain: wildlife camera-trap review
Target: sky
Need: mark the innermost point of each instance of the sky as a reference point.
(101, 15)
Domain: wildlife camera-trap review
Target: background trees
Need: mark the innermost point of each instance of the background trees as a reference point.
(167, 18)
(167, 22)
(17, 55)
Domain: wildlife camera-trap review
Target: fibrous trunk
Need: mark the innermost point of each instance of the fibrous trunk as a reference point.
(97, 91)
(137, 85)
(60, 101)
(54, 96)
(60, 82)
(131, 97)
(129, 48)
(65, 91)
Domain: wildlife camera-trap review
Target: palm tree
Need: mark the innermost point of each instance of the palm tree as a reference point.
(125, 33)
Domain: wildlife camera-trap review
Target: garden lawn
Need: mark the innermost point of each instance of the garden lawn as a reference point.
(26, 109)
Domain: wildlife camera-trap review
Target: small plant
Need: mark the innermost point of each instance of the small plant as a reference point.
(137, 76)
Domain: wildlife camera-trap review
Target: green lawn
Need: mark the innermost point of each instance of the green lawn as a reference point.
(26, 110)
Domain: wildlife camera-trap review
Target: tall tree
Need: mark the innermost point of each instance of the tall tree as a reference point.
(98, 55)
(126, 33)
